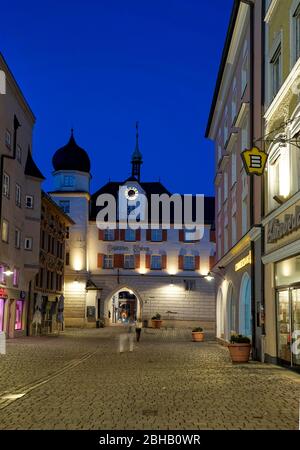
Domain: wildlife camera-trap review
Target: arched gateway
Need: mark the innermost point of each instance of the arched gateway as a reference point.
(122, 305)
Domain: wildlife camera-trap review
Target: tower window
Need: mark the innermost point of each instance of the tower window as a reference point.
(69, 181)
(65, 206)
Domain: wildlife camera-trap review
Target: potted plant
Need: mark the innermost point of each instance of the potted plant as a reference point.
(197, 334)
(239, 348)
(156, 321)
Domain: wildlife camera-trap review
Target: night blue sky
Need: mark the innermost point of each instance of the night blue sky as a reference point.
(100, 65)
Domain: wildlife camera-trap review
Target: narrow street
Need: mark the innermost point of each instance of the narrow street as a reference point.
(79, 380)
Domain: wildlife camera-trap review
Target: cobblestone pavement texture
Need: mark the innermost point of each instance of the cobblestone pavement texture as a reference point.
(79, 380)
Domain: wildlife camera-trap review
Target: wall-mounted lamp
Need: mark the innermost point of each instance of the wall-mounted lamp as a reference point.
(8, 272)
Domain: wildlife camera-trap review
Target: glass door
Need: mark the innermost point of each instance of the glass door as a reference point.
(284, 325)
(296, 322)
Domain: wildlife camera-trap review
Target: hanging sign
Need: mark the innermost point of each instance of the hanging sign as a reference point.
(254, 161)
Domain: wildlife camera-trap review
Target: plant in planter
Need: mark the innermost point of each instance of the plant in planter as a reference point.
(156, 321)
(239, 348)
(197, 334)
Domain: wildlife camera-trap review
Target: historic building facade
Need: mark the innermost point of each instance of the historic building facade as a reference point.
(282, 180)
(20, 207)
(48, 284)
(116, 274)
(234, 125)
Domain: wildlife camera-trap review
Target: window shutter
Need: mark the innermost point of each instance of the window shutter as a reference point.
(164, 235)
(212, 236)
(197, 262)
(180, 262)
(181, 235)
(122, 235)
(148, 235)
(212, 261)
(117, 235)
(138, 235)
(118, 261)
(101, 235)
(137, 261)
(100, 260)
(164, 261)
(148, 261)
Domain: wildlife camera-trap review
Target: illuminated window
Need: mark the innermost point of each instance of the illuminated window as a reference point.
(5, 231)
(19, 313)
(16, 276)
(108, 235)
(129, 234)
(2, 303)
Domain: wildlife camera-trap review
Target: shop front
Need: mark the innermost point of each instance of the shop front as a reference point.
(282, 288)
(12, 312)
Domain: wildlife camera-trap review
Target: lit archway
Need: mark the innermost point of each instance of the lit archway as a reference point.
(245, 316)
(122, 305)
(220, 314)
(231, 312)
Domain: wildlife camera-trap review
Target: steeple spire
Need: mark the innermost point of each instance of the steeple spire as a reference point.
(137, 159)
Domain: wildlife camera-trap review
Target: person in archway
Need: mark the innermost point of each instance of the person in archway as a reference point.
(138, 329)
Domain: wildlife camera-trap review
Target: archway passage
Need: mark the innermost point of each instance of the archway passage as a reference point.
(123, 307)
(245, 327)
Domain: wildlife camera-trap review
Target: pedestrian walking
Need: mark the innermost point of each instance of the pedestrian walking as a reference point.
(127, 338)
(138, 329)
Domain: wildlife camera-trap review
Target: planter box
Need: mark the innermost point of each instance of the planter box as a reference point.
(239, 353)
(198, 336)
(156, 323)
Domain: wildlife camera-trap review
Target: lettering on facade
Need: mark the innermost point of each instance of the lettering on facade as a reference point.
(123, 249)
(279, 229)
(243, 262)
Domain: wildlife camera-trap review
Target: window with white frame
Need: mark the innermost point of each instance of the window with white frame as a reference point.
(156, 262)
(245, 135)
(28, 243)
(5, 231)
(279, 175)
(244, 215)
(8, 138)
(18, 195)
(245, 68)
(108, 262)
(19, 154)
(6, 184)
(69, 181)
(17, 238)
(226, 238)
(233, 229)
(109, 234)
(189, 262)
(129, 234)
(295, 40)
(156, 235)
(234, 101)
(219, 198)
(225, 187)
(65, 205)
(276, 65)
(29, 201)
(129, 262)
(233, 166)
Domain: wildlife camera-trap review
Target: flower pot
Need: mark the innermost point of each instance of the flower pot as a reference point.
(198, 336)
(239, 353)
(156, 323)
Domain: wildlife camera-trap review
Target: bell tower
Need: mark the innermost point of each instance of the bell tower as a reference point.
(137, 159)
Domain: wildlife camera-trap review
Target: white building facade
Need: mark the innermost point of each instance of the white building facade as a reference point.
(112, 275)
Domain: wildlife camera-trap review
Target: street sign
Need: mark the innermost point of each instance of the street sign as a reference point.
(254, 161)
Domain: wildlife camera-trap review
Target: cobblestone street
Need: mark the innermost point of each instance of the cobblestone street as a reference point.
(79, 380)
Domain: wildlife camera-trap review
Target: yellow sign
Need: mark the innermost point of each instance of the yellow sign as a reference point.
(243, 262)
(254, 161)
